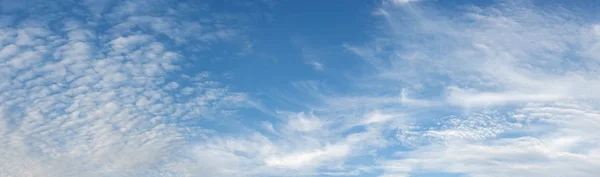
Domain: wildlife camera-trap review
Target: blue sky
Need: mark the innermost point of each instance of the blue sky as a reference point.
(381, 88)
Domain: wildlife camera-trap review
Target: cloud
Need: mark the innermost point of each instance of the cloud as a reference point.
(311, 56)
(402, 2)
(514, 70)
(495, 90)
(77, 99)
(313, 158)
(316, 65)
(516, 157)
(465, 98)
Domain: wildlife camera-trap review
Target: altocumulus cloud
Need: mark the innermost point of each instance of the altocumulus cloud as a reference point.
(105, 89)
(97, 90)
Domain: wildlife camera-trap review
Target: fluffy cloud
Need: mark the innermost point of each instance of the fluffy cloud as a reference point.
(80, 100)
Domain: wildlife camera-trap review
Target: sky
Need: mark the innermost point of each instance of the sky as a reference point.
(278, 88)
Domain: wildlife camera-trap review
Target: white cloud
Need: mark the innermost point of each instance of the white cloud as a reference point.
(377, 117)
(101, 103)
(512, 157)
(468, 98)
(313, 158)
(401, 2)
(316, 65)
(492, 91)
(301, 122)
(519, 74)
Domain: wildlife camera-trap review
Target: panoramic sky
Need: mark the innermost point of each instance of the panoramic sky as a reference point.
(314, 88)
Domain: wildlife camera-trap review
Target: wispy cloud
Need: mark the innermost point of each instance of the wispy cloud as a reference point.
(505, 89)
(316, 65)
(491, 62)
(402, 2)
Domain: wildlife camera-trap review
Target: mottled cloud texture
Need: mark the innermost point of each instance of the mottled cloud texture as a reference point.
(112, 88)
